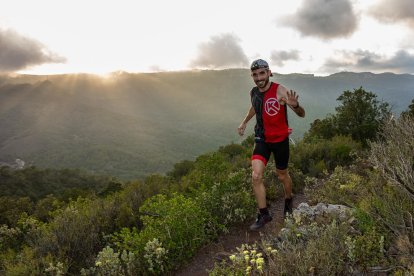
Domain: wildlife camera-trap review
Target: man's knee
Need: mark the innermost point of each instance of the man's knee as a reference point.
(283, 175)
(257, 177)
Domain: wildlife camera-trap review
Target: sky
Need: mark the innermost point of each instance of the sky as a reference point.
(319, 37)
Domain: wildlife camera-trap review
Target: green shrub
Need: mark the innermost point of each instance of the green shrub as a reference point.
(366, 250)
(318, 155)
(320, 249)
(181, 168)
(312, 249)
(232, 150)
(342, 187)
(246, 261)
(76, 233)
(208, 169)
(231, 200)
(109, 262)
(179, 223)
(27, 262)
(359, 115)
(11, 208)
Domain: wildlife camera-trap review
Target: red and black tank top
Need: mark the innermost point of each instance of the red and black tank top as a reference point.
(271, 115)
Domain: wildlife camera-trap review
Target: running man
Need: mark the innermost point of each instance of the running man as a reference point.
(269, 104)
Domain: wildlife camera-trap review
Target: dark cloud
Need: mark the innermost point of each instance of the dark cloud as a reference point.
(222, 51)
(325, 19)
(394, 11)
(280, 57)
(401, 62)
(18, 52)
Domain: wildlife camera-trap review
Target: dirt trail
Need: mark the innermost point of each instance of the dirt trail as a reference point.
(206, 257)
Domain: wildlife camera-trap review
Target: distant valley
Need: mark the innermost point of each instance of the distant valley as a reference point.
(132, 125)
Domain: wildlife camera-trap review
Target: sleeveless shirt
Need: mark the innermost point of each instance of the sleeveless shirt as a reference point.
(271, 115)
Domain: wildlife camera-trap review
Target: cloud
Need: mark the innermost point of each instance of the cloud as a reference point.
(280, 57)
(401, 62)
(222, 51)
(18, 52)
(324, 19)
(394, 11)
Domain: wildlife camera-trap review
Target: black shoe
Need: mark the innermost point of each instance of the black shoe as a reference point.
(288, 207)
(260, 221)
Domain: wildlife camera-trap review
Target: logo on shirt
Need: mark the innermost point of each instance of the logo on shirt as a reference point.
(272, 106)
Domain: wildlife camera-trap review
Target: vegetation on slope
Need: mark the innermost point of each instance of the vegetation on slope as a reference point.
(153, 226)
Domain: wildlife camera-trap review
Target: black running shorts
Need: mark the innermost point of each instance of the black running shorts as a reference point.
(280, 152)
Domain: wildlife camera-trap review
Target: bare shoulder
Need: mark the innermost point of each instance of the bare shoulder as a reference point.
(282, 91)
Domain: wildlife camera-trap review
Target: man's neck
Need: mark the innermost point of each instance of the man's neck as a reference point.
(267, 87)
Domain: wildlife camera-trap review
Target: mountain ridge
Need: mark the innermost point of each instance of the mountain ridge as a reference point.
(134, 124)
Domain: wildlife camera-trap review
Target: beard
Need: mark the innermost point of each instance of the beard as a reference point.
(262, 83)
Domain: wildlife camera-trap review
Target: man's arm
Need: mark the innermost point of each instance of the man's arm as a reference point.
(291, 99)
(243, 124)
(298, 109)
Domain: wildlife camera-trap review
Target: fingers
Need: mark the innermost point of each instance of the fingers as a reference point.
(241, 129)
(292, 94)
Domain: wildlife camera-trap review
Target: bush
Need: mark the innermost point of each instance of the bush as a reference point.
(341, 187)
(359, 115)
(11, 208)
(393, 197)
(76, 233)
(231, 200)
(179, 223)
(27, 262)
(393, 155)
(181, 168)
(109, 262)
(246, 261)
(311, 249)
(318, 155)
(208, 169)
(320, 249)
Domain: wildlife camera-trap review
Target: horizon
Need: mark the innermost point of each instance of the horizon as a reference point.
(119, 72)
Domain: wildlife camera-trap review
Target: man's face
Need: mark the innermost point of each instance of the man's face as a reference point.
(261, 77)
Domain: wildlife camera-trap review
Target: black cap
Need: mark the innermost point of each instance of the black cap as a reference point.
(259, 63)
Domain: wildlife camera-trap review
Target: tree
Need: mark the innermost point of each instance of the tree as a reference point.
(409, 111)
(325, 128)
(181, 168)
(359, 115)
(12, 207)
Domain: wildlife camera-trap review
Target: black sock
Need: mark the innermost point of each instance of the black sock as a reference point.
(264, 211)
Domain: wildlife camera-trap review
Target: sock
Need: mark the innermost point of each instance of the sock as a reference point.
(264, 211)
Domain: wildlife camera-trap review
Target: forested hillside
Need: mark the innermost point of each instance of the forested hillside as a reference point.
(132, 125)
(95, 225)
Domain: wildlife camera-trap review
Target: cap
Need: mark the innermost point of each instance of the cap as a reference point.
(259, 63)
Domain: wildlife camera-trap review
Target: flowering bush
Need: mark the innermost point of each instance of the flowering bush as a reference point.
(109, 262)
(231, 200)
(246, 261)
(155, 255)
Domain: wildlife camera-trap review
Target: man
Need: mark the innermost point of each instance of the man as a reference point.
(269, 103)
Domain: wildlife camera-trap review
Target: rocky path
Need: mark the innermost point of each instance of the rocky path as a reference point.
(226, 244)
